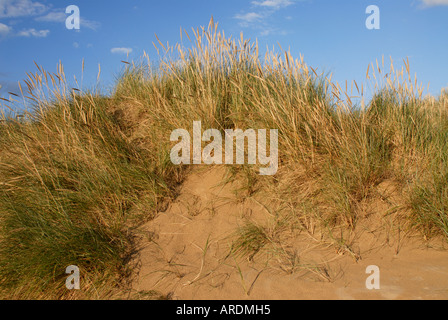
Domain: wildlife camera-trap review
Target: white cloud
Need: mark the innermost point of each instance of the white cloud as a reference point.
(4, 29)
(248, 17)
(60, 16)
(34, 33)
(89, 24)
(275, 4)
(20, 8)
(121, 50)
(269, 31)
(259, 19)
(432, 3)
(75, 44)
(54, 16)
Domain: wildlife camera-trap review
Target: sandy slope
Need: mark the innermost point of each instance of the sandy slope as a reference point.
(185, 254)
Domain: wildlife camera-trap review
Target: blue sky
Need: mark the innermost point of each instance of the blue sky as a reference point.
(331, 35)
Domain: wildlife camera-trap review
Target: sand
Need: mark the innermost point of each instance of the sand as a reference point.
(185, 254)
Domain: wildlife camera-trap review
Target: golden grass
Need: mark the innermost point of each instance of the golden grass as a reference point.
(80, 171)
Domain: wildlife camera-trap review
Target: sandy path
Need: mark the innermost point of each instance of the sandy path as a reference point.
(185, 254)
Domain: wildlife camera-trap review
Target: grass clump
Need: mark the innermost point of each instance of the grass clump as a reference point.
(81, 171)
(70, 181)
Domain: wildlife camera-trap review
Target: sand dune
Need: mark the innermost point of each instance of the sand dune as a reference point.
(185, 254)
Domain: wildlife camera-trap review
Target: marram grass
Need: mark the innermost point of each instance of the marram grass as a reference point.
(81, 171)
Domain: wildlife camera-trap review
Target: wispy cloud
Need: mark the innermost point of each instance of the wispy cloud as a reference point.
(121, 50)
(432, 3)
(4, 29)
(260, 18)
(34, 33)
(248, 17)
(31, 32)
(21, 8)
(93, 25)
(274, 4)
(53, 16)
(59, 16)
